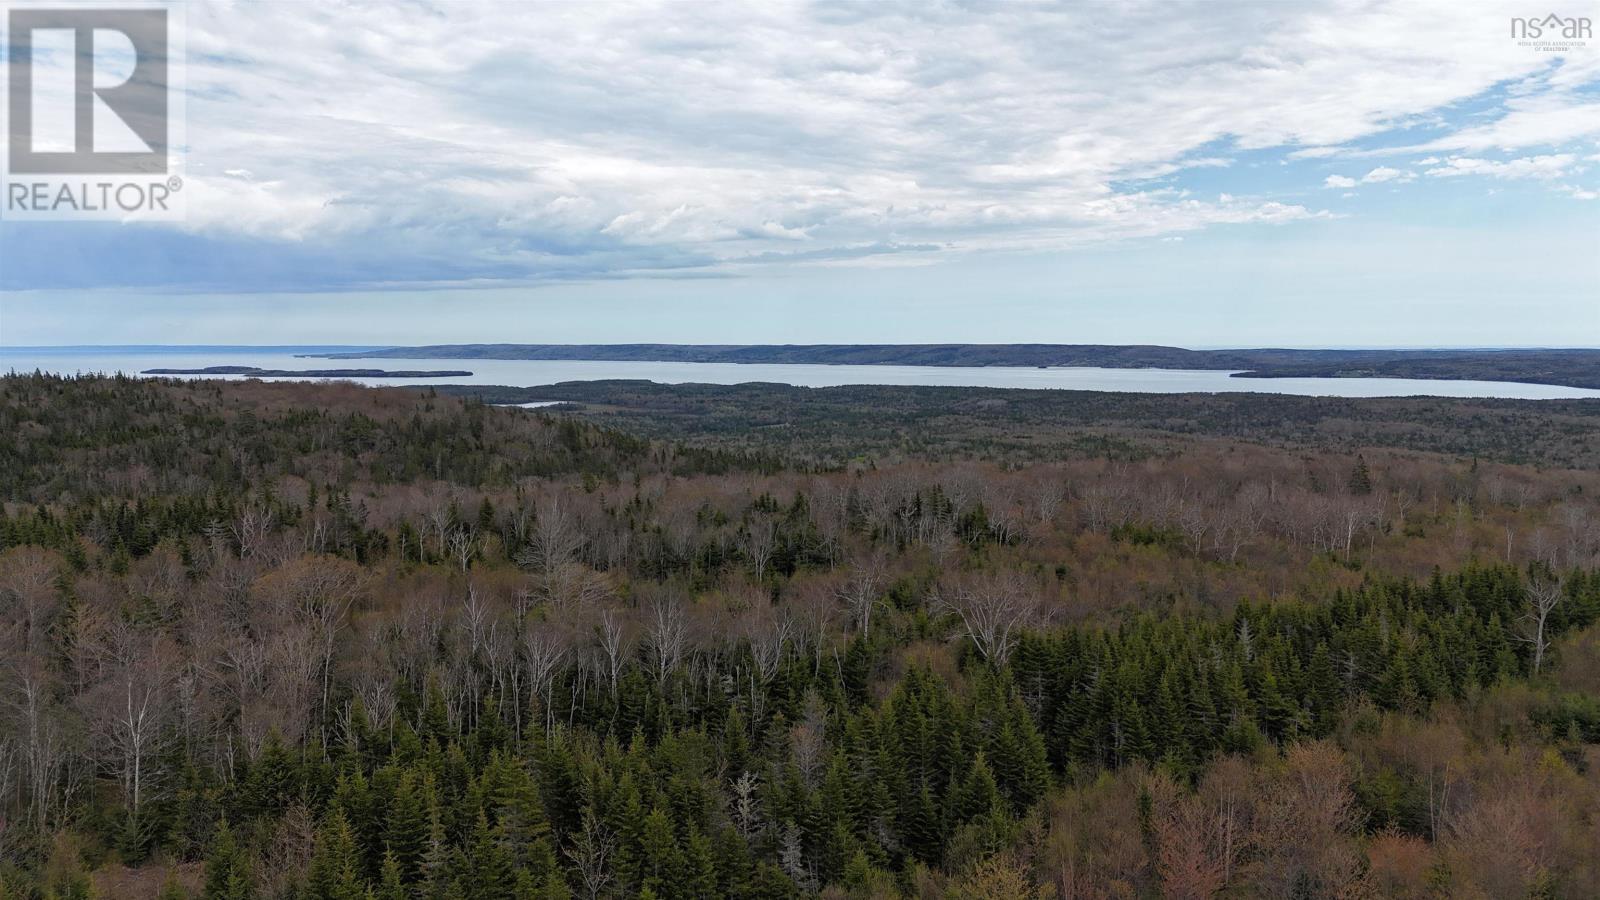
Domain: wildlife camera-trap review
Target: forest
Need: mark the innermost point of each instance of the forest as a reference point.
(320, 641)
(840, 426)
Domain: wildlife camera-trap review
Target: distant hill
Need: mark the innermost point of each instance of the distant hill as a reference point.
(1572, 367)
(314, 373)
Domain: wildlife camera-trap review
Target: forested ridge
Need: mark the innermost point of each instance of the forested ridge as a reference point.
(319, 641)
(840, 425)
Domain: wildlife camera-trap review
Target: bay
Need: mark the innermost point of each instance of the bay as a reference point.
(531, 373)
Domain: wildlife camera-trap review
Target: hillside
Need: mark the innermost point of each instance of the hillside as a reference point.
(886, 422)
(320, 641)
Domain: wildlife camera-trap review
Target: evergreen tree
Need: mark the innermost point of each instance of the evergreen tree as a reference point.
(227, 868)
(490, 871)
(1360, 478)
(335, 870)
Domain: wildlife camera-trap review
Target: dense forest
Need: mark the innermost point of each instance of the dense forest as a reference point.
(1576, 367)
(321, 641)
(836, 426)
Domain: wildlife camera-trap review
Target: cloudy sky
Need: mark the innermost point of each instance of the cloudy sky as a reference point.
(1203, 174)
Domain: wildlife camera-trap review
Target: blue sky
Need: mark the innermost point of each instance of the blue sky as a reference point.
(1314, 174)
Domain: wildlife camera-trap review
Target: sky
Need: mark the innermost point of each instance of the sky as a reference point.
(1199, 174)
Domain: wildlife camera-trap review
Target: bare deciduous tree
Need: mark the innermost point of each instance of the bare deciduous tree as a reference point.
(862, 593)
(758, 540)
(28, 591)
(127, 712)
(590, 853)
(555, 540)
(1544, 596)
(993, 609)
(668, 631)
(462, 545)
(616, 634)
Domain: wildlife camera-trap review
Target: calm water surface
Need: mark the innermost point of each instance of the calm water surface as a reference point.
(529, 373)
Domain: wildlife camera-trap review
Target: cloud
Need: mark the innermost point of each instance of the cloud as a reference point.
(1544, 120)
(1377, 176)
(467, 141)
(1538, 167)
(1384, 173)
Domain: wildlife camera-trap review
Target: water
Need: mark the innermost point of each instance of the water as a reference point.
(529, 373)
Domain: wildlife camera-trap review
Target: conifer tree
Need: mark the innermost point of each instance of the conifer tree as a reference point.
(391, 881)
(490, 871)
(227, 868)
(659, 862)
(334, 873)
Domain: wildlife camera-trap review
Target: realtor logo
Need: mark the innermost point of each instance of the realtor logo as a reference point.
(139, 101)
(91, 113)
(1553, 33)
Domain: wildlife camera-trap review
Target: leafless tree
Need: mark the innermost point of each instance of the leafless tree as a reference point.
(475, 614)
(128, 711)
(808, 739)
(569, 584)
(1544, 596)
(317, 592)
(862, 593)
(28, 592)
(250, 529)
(10, 765)
(1105, 505)
(45, 748)
(747, 804)
(758, 540)
(616, 633)
(376, 691)
(816, 607)
(545, 647)
(1048, 494)
(1196, 517)
(1003, 512)
(767, 631)
(438, 519)
(830, 512)
(1355, 514)
(668, 631)
(993, 609)
(590, 850)
(463, 544)
(555, 540)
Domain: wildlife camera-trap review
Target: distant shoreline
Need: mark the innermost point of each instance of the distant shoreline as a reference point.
(1570, 367)
(313, 373)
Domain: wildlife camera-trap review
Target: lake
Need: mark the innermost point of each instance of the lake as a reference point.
(529, 373)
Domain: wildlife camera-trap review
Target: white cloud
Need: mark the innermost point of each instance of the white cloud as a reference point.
(1539, 167)
(1376, 176)
(1538, 121)
(1384, 173)
(559, 140)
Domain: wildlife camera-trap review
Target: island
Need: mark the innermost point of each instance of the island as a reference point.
(313, 373)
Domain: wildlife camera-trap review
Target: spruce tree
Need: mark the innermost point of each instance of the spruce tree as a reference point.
(335, 870)
(227, 868)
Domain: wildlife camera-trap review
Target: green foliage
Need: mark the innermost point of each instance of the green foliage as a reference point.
(228, 874)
